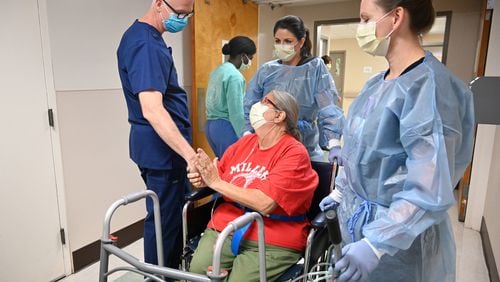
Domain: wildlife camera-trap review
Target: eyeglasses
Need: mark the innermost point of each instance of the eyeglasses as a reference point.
(266, 100)
(180, 16)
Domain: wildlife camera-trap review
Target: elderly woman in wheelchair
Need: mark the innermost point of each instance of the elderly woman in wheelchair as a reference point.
(269, 172)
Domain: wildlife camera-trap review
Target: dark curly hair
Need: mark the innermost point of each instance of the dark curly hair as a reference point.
(238, 45)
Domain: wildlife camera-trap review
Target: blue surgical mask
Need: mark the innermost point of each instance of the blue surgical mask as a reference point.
(173, 24)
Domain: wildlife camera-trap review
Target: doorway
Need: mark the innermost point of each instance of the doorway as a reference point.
(216, 23)
(338, 71)
(31, 238)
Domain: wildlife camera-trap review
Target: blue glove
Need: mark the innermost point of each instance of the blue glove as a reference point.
(358, 259)
(328, 203)
(335, 154)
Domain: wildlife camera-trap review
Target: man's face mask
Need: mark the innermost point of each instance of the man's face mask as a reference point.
(284, 52)
(368, 41)
(257, 115)
(173, 24)
(243, 66)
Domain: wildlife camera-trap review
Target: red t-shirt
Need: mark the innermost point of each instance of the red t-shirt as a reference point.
(284, 173)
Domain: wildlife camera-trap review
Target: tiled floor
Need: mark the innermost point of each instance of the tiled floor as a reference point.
(471, 265)
(470, 259)
(91, 273)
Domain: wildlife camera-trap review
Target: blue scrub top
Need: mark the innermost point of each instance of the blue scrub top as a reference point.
(145, 63)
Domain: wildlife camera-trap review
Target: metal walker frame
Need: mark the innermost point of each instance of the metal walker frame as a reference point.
(160, 272)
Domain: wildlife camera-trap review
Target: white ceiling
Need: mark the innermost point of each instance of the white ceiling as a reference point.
(296, 2)
(343, 30)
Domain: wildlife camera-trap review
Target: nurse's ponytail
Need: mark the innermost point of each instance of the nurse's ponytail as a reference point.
(238, 45)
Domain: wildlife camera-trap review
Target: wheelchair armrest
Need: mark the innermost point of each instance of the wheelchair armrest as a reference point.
(319, 221)
(199, 194)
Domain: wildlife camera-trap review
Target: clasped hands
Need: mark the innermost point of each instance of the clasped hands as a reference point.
(202, 171)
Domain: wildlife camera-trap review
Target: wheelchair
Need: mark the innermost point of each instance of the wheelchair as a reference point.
(195, 216)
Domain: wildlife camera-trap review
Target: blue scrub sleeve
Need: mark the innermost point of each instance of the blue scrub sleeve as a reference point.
(330, 116)
(253, 95)
(234, 91)
(147, 70)
(428, 190)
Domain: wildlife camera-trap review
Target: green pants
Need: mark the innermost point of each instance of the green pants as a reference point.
(245, 266)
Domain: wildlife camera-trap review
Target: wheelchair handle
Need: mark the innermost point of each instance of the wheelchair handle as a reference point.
(335, 172)
(332, 223)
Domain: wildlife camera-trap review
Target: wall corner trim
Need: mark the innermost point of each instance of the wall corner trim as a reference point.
(488, 253)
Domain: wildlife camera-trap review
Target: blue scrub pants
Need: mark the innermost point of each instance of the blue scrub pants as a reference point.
(220, 134)
(170, 186)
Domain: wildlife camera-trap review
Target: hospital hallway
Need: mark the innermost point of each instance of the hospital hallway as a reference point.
(470, 259)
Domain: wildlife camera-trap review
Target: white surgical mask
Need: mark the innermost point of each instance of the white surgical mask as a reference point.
(284, 52)
(368, 41)
(257, 115)
(243, 66)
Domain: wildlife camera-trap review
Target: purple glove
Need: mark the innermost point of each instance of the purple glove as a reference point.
(335, 154)
(358, 259)
(328, 203)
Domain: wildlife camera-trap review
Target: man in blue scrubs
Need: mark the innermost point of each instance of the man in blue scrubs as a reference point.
(160, 132)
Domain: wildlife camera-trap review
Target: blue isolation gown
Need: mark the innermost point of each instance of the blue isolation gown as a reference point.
(320, 119)
(407, 143)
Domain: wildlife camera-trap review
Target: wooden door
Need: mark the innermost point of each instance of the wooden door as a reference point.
(463, 185)
(216, 21)
(30, 240)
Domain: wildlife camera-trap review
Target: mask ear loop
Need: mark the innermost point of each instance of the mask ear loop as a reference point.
(390, 33)
(243, 61)
(384, 16)
(381, 18)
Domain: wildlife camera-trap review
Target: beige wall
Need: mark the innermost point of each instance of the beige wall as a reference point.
(433, 38)
(267, 18)
(357, 63)
(91, 110)
(307, 13)
(491, 207)
(356, 73)
(462, 41)
(463, 38)
(322, 12)
(462, 45)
